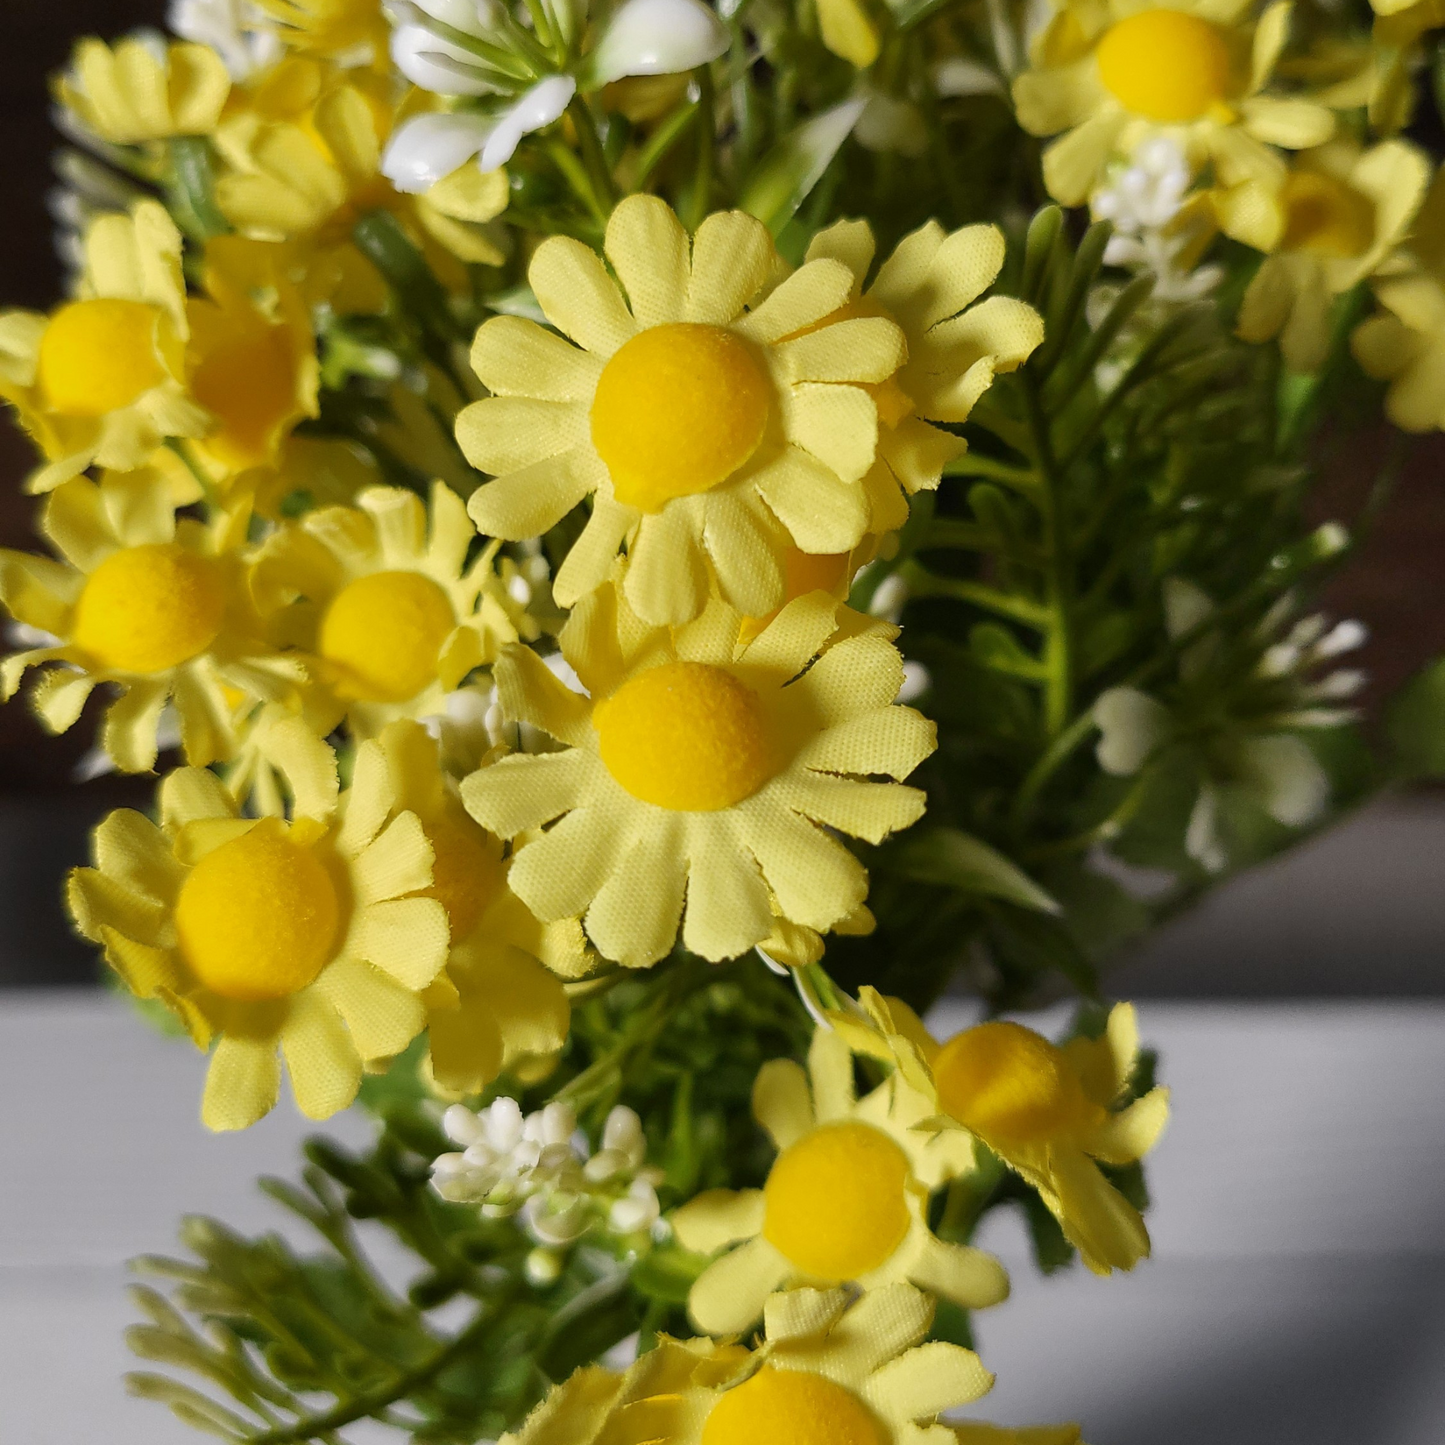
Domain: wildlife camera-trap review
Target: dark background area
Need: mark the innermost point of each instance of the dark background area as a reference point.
(1357, 913)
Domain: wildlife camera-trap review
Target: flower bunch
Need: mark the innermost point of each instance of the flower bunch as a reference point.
(642, 546)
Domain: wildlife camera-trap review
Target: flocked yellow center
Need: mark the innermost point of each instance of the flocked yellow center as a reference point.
(385, 633)
(1165, 65)
(1009, 1085)
(789, 1407)
(257, 918)
(249, 385)
(837, 1201)
(1326, 216)
(685, 736)
(99, 356)
(145, 609)
(465, 872)
(678, 409)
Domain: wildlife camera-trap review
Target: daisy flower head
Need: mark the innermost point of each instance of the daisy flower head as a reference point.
(846, 1201)
(1107, 74)
(387, 602)
(712, 420)
(1404, 342)
(101, 381)
(1346, 211)
(697, 776)
(311, 934)
(930, 288)
(252, 359)
(156, 605)
(137, 91)
(500, 999)
(1052, 1114)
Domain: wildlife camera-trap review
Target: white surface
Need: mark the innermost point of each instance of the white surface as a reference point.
(1295, 1294)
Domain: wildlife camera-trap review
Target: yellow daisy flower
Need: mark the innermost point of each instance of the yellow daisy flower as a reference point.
(328, 27)
(929, 287)
(1400, 26)
(500, 999)
(263, 933)
(156, 606)
(1404, 343)
(703, 770)
(1048, 1112)
(302, 150)
(127, 94)
(253, 361)
(846, 1201)
(384, 603)
(102, 380)
(1108, 73)
(1346, 210)
(709, 434)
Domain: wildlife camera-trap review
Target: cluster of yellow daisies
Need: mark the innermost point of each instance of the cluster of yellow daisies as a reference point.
(1292, 150)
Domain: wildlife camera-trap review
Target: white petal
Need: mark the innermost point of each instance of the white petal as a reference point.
(435, 65)
(472, 16)
(430, 147)
(658, 37)
(1131, 725)
(539, 107)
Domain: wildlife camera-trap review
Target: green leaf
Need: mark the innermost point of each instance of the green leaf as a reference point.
(1416, 723)
(784, 176)
(958, 860)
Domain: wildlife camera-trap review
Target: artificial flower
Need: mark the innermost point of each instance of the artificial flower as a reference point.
(252, 358)
(154, 605)
(928, 287)
(135, 91)
(236, 30)
(846, 1201)
(1048, 1112)
(311, 935)
(328, 28)
(101, 381)
(500, 998)
(701, 772)
(711, 434)
(1346, 210)
(383, 601)
(1396, 46)
(1107, 74)
(1404, 342)
(832, 1368)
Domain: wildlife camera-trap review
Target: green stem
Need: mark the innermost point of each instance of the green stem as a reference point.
(1006, 604)
(599, 173)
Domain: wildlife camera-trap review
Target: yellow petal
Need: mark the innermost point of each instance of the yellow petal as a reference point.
(783, 1102)
(648, 249)
(718, 1217)
(728, 1296)
(927, 1380)
(578, 296)
(324, 1066)
(242, 1083)
(732, 260)
(407, 937)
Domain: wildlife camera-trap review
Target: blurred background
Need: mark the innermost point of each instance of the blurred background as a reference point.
(1300, 1193)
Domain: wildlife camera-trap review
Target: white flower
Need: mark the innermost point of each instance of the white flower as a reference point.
(1286, 777)
(657, 37)
(890, 597)
(435, 64)
(637, 1211)
(428, 148)
(916, 681)
(536, 109)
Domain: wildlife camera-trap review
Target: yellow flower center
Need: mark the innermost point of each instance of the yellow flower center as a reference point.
(465, 872)
(1165, 65)
(837, 1201)
(146, 609)
(99, 356)
(257, 918)
(685, 736)
(1010, 1085)
(249, 385)
(1326, 216)
(678, 409)
(788, 1405)
(385, 632)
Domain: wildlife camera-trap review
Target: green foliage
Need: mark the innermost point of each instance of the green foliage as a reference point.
(1417, 723)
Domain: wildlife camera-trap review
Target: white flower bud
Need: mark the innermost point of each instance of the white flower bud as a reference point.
(1343, 637)
(889, 598)
(503, 1123)
(430, 147)
(543, 1266)
(1201, 838)
(462, 1126)
(657, 37)
(556, 1219)
(916, 681)
(637, 1212)
(623, 1132)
